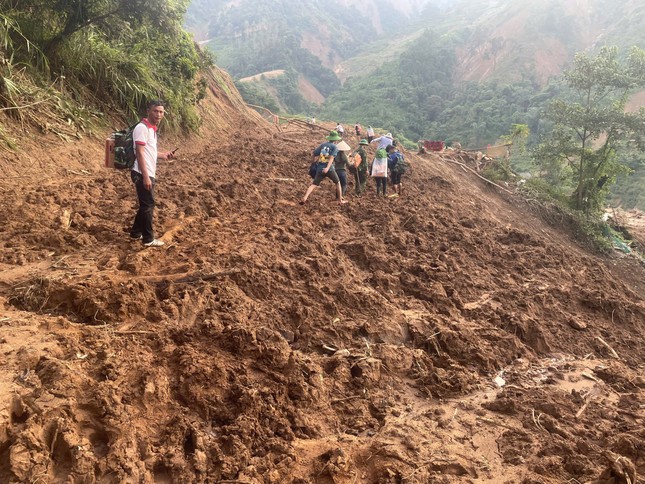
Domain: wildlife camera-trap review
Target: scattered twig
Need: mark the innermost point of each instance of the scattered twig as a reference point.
(582, 409)
(493, 422)
(51, 447)
(536, 421)
(133, 332)
(589, 376)
(25, 106)
(606, 345)
(338, 400)
(55, 264)
(453, 417)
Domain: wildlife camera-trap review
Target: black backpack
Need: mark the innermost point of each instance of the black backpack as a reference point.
(124, 152)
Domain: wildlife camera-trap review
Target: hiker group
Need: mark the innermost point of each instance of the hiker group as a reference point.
(332, 160)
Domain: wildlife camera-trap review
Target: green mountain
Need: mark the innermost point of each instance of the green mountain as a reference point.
(454, 70)
(306, 40)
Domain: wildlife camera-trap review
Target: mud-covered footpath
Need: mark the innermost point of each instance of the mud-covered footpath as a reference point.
(448, 335)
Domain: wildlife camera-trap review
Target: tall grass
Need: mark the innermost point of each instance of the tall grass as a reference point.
(113, 66)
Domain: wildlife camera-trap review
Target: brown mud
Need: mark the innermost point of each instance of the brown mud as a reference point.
(449, 335)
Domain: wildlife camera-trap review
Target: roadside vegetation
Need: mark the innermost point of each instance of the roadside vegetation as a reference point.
(78, 59)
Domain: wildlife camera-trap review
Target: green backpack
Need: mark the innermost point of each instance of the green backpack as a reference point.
(401, 165)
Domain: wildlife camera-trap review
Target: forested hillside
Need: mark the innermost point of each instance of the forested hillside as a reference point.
(457, 71)
(451, 70)
(306, 40)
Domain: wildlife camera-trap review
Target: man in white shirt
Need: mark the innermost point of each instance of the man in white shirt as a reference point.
(383, 141)
(144, 171)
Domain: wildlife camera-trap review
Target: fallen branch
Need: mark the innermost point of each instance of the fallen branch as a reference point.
(125, 333)
(493, 422)
(589, 376)
(473, 171)
(337, 400)
(582, 409)
(25, 106)
(606, 345)
(595, 391)
(291, 140)
(55, 264)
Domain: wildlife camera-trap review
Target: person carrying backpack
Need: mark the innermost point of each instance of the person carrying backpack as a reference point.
(360, 171)
(144, 170)
(397, 165)
(323, 167)
(370, 134)
(379, 171)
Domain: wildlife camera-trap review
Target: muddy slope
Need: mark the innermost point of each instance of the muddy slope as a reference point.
(446, 336)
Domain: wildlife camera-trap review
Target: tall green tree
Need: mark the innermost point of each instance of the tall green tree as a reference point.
(591, 127)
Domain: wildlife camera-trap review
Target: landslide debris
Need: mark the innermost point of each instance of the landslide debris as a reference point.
(427, 338)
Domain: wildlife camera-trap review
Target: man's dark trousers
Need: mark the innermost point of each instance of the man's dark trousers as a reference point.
(143, 220)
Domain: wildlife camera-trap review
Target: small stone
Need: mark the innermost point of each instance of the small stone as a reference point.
(575, 324)
(288, 335)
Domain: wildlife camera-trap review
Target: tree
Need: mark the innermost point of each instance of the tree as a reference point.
(591, 128)
(516, 137)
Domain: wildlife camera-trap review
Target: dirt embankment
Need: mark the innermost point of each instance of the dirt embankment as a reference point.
(445, 336)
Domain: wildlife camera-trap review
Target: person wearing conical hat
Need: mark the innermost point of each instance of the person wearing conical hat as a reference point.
(323, 167)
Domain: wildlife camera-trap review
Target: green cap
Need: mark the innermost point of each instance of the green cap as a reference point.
(363, 142)
(333, 136)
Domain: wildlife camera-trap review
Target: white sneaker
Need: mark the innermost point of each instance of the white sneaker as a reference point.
(155, 243)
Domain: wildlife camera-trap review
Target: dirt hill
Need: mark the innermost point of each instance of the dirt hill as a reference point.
(450, 335)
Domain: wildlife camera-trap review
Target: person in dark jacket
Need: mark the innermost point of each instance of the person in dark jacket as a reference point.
(397, 166)
(360, 174)
(323, 162)
(340, 163)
